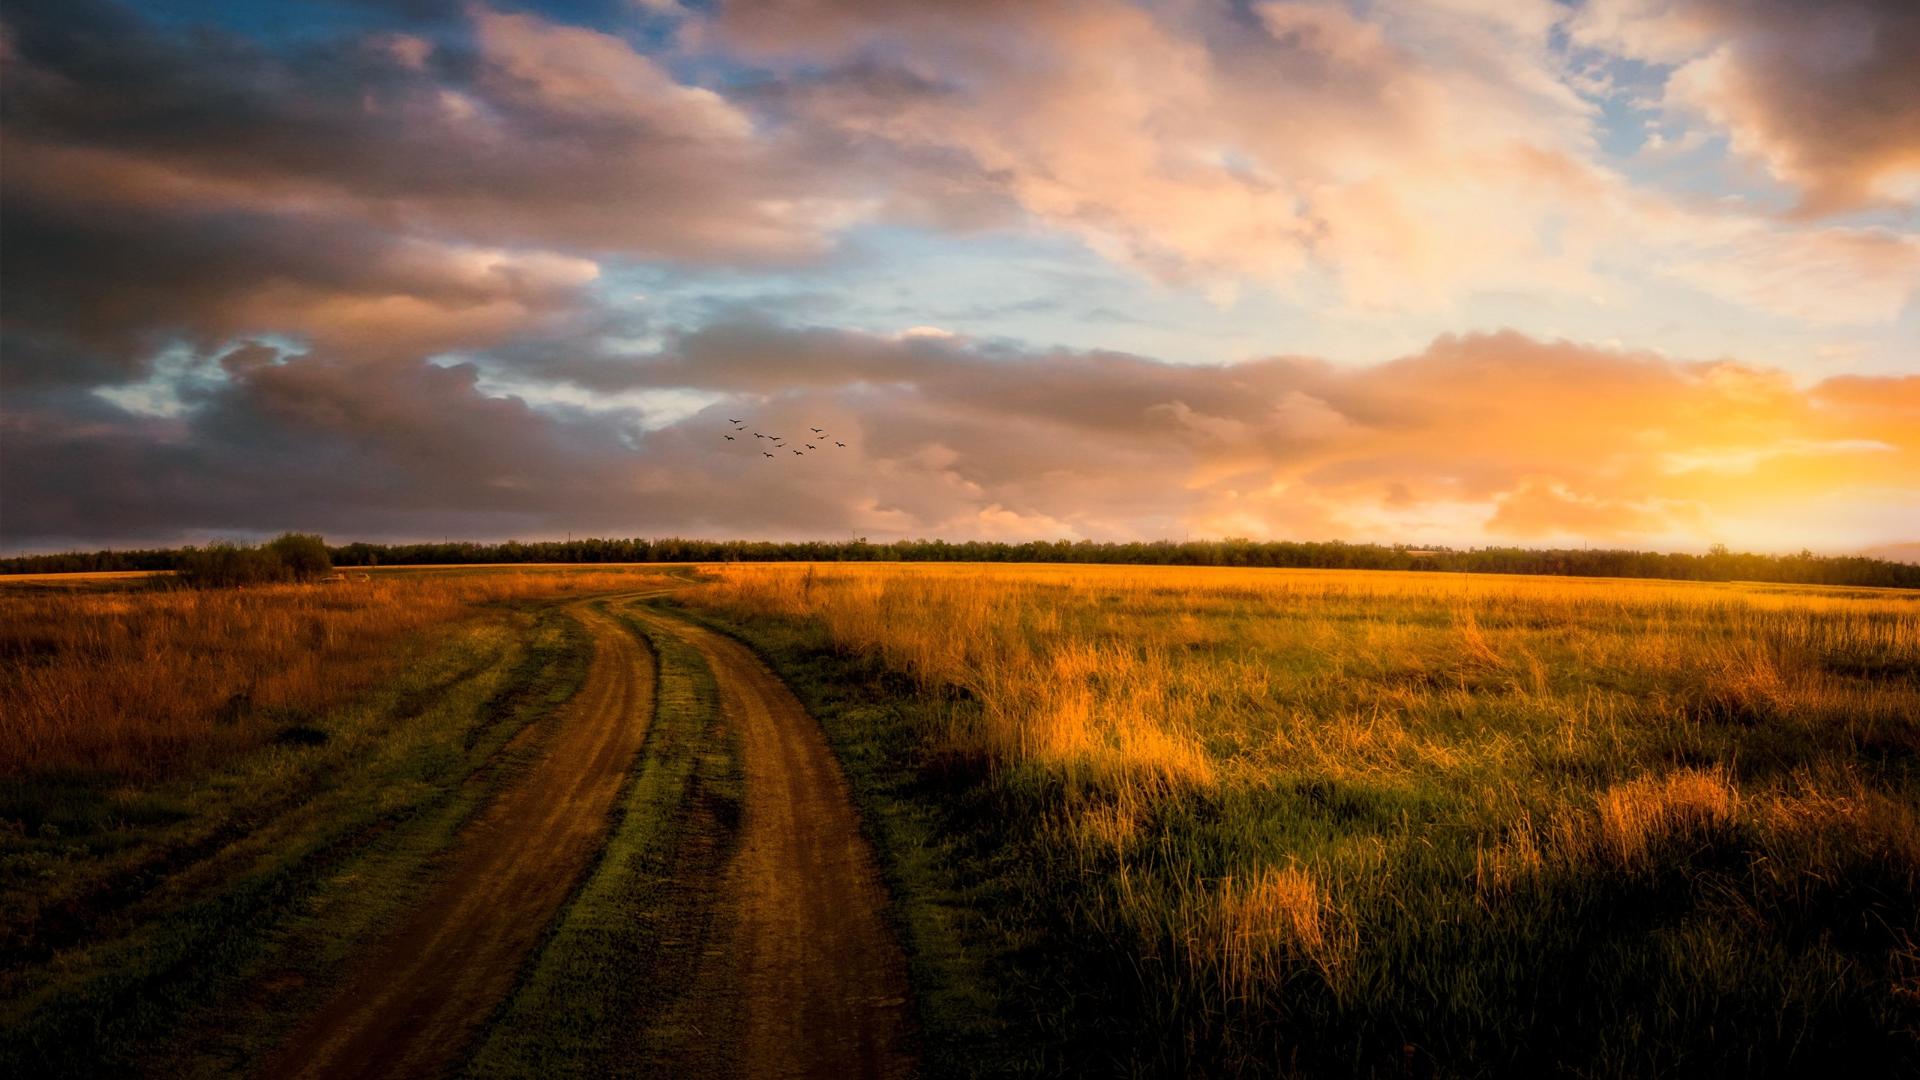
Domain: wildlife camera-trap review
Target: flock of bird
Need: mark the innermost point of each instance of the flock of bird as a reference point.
(780, 443)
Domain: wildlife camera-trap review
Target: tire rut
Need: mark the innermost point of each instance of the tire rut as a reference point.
(415, 1003)
(805, 977)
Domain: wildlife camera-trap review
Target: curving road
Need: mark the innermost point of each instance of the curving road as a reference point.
(414, 1004)
(807, 978)
(804, 976)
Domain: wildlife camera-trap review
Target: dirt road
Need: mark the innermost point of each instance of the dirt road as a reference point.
(806, 977)
(802, 977)
(414, 1005)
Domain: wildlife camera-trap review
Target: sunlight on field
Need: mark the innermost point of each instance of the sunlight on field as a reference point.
(1339, 777)
(1254, 816)
(1131, 680)
(102, 675)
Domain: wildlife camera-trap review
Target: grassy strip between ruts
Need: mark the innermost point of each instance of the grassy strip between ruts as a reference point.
(995, 988)
(598, 985)
(201, 970)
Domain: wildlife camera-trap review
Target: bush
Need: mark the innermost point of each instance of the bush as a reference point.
(304, 555)
(291, 557)
(223, 566)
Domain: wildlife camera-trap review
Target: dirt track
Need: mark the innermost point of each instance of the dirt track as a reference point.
(806, 978)
(413, 1006)
(803, 976)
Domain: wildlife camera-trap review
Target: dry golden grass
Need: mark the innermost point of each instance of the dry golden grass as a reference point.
(1277, 775)
(1639, 812)
(1525, 824)
(142, 681)
(1263, 924)
(1164, 676)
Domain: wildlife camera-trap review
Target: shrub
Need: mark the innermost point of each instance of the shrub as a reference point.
(223, 566)
(290, 557)
(303, 555)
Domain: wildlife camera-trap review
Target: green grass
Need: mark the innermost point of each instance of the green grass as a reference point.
(188, 919)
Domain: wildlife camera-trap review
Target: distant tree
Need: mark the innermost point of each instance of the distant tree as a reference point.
(303, 555)
(290, 557)
(225, 566)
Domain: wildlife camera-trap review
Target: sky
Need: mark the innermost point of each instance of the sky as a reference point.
(1635, 273)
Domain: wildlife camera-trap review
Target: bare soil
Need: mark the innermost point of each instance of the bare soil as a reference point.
(415, 1004)
(802, 975)
(796, 974)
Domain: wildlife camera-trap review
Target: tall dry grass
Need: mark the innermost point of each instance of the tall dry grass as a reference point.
(142, 682)
(1289, 787)
(1141, 679)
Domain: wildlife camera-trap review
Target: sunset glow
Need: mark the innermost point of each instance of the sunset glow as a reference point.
(1633, 273)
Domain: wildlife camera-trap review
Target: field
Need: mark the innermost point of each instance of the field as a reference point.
(1141, 820)
(207, 798)
(147, 682)
(1354, 821)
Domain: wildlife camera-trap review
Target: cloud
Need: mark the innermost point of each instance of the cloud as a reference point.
(1481, 437)
(1821, 275)
(196, 182)
(116, 278)
(385, 192)
(1825, 96)
(351, 446)
(525, 133)
(365, 284)
(1392, 156)
(1412, 158)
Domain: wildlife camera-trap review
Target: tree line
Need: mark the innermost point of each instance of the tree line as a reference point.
(1718, 564)
(288, 557)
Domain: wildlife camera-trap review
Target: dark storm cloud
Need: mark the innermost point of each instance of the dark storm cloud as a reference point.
(373, 447)
(945, 437)
(1827, 94)
(379, 199)
(387, 192)
(119, 280)
(521, 132)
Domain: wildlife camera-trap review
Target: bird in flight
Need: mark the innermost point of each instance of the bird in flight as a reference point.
(841, 444)
(817, 431)
(729, 438)
(798, 453)
(763, 453)
(731, 420)
(810, 446)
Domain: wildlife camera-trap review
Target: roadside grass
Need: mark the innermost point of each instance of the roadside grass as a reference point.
(140, 680)
(178, 941)
(603, 979)
(1376, 824)
(995, 992)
